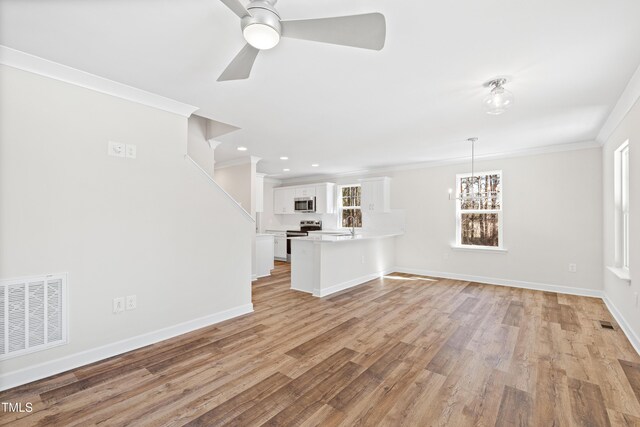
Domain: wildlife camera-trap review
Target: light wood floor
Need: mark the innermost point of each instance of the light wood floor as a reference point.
(403, 350)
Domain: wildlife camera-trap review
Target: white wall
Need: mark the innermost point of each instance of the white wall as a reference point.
(552, 217)
(197, 146)
(236, 180)
(623, 294)
(268, 220)
(156, 226)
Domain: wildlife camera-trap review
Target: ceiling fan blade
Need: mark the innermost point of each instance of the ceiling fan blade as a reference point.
(367, 31)
(240, 67)
(236, 7)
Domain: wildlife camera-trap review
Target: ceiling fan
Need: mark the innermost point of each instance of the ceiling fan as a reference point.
(262, 28)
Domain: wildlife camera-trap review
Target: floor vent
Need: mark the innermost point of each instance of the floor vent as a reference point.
(606, 325)
(33, 314)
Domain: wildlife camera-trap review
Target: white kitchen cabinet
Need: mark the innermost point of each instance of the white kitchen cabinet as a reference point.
(264, 254)
(280, 248)
(283, 200)
(279, 244)
(305, 191)
(283, 197)
(325, 198)
(375, 194)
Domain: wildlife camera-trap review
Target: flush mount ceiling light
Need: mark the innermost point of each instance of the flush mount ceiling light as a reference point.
(262, 28)
(315, 165)
(286, 170)
(499, 99)
(284, 158)
(242, 148)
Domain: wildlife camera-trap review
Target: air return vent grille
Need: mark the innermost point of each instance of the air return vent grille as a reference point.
(33, 314)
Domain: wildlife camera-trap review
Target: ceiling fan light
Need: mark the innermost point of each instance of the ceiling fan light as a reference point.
(261, 36)
(498, 100)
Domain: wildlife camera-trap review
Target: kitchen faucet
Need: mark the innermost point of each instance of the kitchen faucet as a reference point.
(353, 227)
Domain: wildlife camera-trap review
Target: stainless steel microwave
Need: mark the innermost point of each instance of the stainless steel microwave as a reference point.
(304, 204)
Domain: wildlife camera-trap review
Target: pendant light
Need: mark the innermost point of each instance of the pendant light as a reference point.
(472, 180)
(498, 99)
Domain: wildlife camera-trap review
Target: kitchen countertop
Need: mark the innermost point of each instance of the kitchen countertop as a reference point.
(332, 238)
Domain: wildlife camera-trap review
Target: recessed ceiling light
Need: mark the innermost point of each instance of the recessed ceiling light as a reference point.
(315, 165)
(286, 170)
(284, 158)
(242, 148)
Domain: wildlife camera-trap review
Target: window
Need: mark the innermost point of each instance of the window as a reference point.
(479, 209)
(621, 169)
(349, 212)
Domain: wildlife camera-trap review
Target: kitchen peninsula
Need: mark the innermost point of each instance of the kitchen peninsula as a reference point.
(323, 264)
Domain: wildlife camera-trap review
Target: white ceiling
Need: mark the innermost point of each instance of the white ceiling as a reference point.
(351, 109)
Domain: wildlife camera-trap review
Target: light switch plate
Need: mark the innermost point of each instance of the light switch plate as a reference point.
(132, 302)
(118, 305)
(116, 149)
(131, 151)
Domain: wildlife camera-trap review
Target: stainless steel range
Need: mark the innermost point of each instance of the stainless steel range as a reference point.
(305, 227)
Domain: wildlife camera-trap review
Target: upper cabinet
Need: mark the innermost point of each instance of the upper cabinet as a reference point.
(376, 194)
(325, 198)
(283, 197)
(283, 200)
(305, 191)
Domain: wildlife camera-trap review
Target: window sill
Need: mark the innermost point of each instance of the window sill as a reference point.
(478, 248)
(621, 273)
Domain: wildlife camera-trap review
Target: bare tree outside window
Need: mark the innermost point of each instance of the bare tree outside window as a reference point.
(350, 206)
(480, 209)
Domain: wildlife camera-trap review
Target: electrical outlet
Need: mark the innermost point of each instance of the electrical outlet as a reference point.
(573, 268)
(116, 149)
(131, 151)
(118, 305)
(132, 302)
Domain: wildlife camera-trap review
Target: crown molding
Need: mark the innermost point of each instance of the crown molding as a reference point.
(34, 64)
(547, 149)
(627, 100)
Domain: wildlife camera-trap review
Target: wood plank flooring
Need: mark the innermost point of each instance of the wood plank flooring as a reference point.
(400, 350)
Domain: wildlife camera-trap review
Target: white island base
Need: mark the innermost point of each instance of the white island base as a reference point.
(323, 265)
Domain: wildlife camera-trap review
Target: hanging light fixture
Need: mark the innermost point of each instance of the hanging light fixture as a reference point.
(499, 99)
(472, 180)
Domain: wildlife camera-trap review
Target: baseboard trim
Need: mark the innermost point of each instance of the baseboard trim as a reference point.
(624, 325)
(33, 373)
(505, 282)
(349, 284)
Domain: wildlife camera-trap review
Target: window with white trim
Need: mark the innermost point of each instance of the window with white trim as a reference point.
(349, 212)
(479, 209)
(621, 182)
